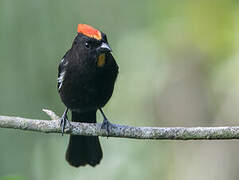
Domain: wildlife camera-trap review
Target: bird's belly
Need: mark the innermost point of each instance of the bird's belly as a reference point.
(86, 96)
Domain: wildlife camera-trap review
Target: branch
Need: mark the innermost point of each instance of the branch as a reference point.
(94, 129)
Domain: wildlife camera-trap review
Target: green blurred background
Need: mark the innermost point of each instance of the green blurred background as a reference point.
(178, 67)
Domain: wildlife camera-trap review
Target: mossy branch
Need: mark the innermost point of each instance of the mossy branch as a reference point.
(121, 131)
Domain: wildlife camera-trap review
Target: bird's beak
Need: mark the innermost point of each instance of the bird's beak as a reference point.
(104, 48)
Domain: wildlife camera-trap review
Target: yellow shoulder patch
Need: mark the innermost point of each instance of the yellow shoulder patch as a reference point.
(101, 60)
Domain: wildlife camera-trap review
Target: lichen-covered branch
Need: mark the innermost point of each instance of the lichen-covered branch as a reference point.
(121, 131)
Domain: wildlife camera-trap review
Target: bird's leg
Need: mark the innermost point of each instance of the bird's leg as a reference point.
(105, 124)
(64, 120)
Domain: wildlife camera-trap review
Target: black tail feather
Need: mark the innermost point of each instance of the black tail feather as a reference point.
(83, 150)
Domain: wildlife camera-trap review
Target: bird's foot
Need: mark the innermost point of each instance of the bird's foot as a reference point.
(106, 123)
(63, 121)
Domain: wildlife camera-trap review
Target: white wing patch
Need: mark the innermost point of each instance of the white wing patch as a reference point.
(63, 62)
(60, 79)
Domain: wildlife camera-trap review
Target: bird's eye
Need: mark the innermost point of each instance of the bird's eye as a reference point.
(87, 45)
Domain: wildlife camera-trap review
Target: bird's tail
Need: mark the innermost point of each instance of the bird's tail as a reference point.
(83, 150)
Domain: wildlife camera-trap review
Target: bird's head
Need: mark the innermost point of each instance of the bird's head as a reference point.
(91, 44)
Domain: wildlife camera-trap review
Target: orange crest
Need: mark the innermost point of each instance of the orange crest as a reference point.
(89, 31)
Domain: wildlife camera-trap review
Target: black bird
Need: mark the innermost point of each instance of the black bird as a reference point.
(86, 78)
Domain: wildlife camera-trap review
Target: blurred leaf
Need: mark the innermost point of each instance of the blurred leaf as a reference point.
(11, 177)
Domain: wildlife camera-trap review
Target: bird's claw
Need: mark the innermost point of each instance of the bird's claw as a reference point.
(63, 121)
(105, 125)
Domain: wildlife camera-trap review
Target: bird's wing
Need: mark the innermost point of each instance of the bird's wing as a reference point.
(61, 71)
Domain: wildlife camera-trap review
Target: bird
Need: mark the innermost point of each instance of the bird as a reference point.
(86, 79)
